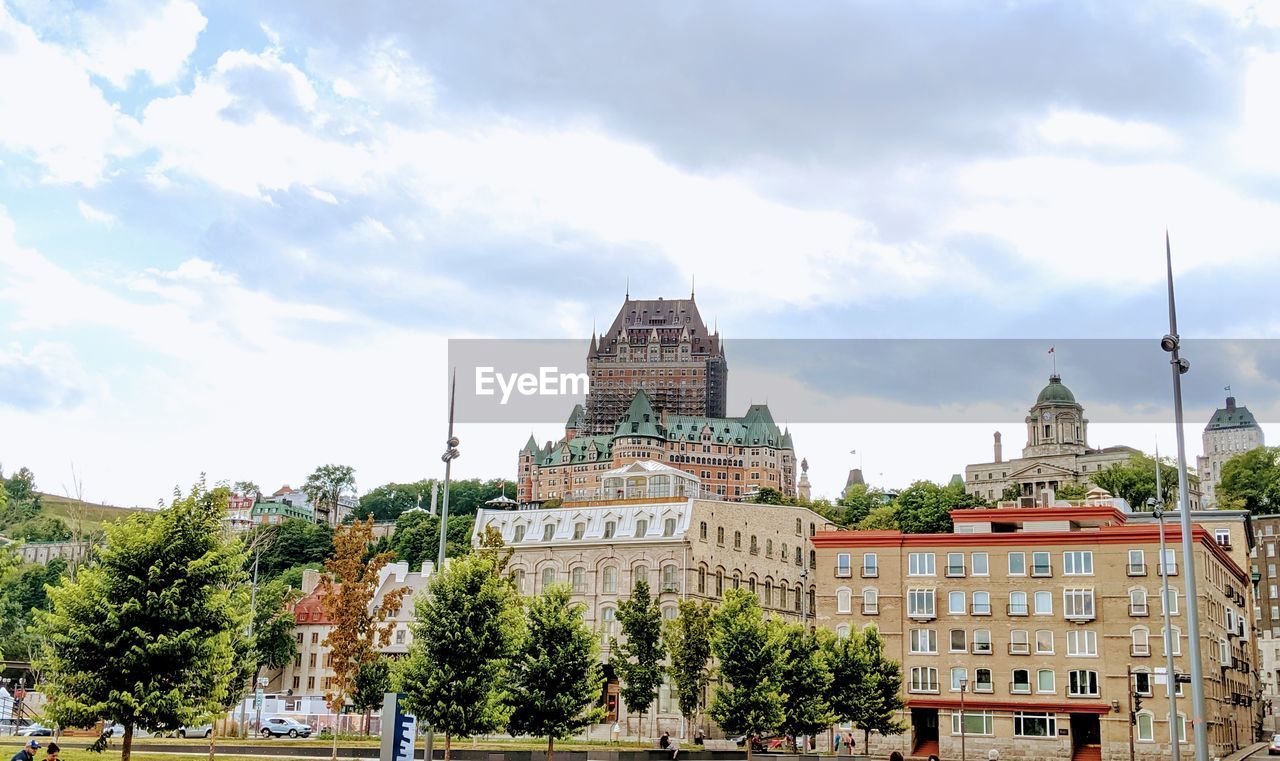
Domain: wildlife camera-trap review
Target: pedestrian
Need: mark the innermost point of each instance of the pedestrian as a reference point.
(675, 748)
(837, 743)
(664, 742)
(848, 741)
(700, 738)
(895, 756)
(52, 752)
(993, 755)
(27, 752)
(934, 757)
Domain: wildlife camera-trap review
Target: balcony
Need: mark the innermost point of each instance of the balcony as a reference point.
(1019, 648)
(982, 648)
(844, 572)
(922, 615)
(1016, 610)
(1138, 611)
(1140, 650)
(1080, 617)
(870, 573)
(1020, 688)
(1138, 570)
(870, 610)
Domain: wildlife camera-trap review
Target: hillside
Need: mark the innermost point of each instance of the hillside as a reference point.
(91, 515)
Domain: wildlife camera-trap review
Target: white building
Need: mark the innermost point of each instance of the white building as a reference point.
(1230, 431)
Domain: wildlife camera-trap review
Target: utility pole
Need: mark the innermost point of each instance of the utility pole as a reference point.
(964, 682)
(1158, 511)
(1133, 713)
(1171, 343)
(450, 454)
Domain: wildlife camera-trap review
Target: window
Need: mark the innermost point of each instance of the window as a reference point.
(609, 580)
(737, 540)
(548, 532)
(959, 678)
(870, 568)
(842, 631)
(982, 681)
(1137, 563)
(844, 565)
(610, 528)
(608, 624)
(1082, 683)
(641, 573)
(1077, 563)
(669, 527)
(400, 634)
(982, 642)
(518, 577)
(924, 641)
(1017, 564)
(1045, 682)
(1172, 601)
(1140, 644)
(702, 531)
(642, 528)
(955, 564)
(920, 564)
(668, 578)
(1082, 643)
(579, 577)
(768, 548)
(978, 563)
(1018, 603)
(1174, 640)
(702, 581)
(799, 527)
(1040, 565)
(924, 679)
(920, 603)
(1142, 683)
(755, 546)
(1223, 537)
(1021, 682)
(1044, 642)
(720, 535)
(975, 722)
(1146, 727)
(579, 529)
(719, 583)
(1182, 727)
(981, 604)
(1035, 724)
(1137, 602)
(870, 602)
(844, 600)
(1019, 642)
(955, 603)
(315, 637)
(1077, 603)
(548, 577)
(519, 535)
(669, 613)
(1171, 561)
(1043, 603)
(959, 641)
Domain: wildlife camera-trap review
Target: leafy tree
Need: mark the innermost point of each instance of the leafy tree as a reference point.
(638, 660)
(417, 537)
(925, 507)
(767, 496)
(750, 700)
(1011, 493)
(1134, 481)
(554, 680)
(23, 593)
(865, 684)
(348, 587)
(688, 640)
(144, 636)
(22, 488)
(1251, 481)
(373, 681)
(389, 501)
(326, 485)
(858, 502)
(463, 633)
(292, 577)
(803, 680)
(292, 542)
(882, 518)
(247, 489)
(45, 528)
(1072, 492)
(273, 642)
(491, 544)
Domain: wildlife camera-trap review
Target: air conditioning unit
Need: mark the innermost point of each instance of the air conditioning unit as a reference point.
(1026, 501)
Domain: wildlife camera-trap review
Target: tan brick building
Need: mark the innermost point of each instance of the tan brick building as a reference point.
(1048, 618)
(659, 530)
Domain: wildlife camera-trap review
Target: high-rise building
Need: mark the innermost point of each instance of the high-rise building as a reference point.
(1230, 431)
(661, 347)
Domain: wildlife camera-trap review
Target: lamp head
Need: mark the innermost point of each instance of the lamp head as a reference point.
(1169, 343)
(453, 442)
(1184, 365)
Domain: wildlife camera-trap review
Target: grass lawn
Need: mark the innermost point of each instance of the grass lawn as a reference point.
(91, 515)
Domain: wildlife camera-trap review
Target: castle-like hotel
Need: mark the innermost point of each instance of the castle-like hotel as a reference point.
(658, 382)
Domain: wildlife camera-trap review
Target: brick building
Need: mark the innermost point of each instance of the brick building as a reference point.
(1230, 431)
(1046, 618)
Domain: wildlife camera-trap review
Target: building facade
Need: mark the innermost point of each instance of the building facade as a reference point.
(1046, 621)
(1264, 562)
(42, 552)
(1230, 431)
(661, 347)
(1057, 452)
(658, 529)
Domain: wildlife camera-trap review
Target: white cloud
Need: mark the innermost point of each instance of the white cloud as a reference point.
(1255, 144)
(1063, 128)
(94, 214)
(125, 37)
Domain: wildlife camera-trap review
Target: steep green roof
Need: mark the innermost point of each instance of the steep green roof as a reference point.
(576, 417)
(1055, 393)
(531, 447)
(579, 449)
(640, 419)
(1231, 416)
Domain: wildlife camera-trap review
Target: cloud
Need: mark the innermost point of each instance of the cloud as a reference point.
(125, 37)
(48, 377)
(1094, 130)
(93, 214)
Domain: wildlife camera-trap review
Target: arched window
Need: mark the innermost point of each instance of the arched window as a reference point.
(579, 577)
(870, 602)
(1018, 604)
(548, 577)
(1137, 602)
(519, 535)
(702, 531)
(768, 593)
(768, 548)
(1045, 682)
(737, 540)
(548, 532)
(844, 600)
(702, 581)
(669, 527)
(1174, 640)
(813, 559)
(720, 535)
(799, 527)
(669, 613)
(737, 580)
(755, 545)
(1173, 601)
(798, 598)
(981, 604)
(751, 584)
(609, 580)
(719, 583)
(641, 573)
(668, 578)
(1021, 682)
(608, 624)
(517, 576)
(1146, 727)
(842, 631)
(1141, 641)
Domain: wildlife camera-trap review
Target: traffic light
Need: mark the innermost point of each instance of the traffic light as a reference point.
(1137, 704)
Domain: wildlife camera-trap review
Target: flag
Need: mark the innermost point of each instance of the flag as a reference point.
(1050, 349)
(1226, 388)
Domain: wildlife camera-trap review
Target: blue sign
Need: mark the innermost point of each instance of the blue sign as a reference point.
(399, 730)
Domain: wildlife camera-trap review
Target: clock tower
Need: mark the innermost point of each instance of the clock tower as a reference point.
(1056, 424)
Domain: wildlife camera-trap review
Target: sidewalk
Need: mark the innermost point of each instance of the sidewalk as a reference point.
(1245, 752)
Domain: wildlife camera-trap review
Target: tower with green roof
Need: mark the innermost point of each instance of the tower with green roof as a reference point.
(1230, 431)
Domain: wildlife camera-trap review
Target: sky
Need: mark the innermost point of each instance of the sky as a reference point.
(235, 239)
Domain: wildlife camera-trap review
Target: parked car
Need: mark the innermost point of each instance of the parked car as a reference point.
(1274, 750)
(281, 726)
(204, 730)
(35, 729)
(117, 730)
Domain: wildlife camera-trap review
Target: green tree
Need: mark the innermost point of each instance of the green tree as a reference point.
(373, 681)
(688, 641)
(1072, 492)
(1251, 481)
(292, 542)
(22, 487)
(767, 496)
(463, 633)
(803, 679)
(882, 518)
(638, 659)
(417, 537)
(749, 701)
(274, 644)
(1134, 481)
(326, 485)
(858, 502)
(144, 636)
(925, 507)
(865, 684)
(389, 501)
(1011, 493)
(247, 489)
(554, 681)
(24, 591)
(45, 528)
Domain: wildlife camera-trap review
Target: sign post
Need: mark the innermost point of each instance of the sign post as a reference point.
(399, 730)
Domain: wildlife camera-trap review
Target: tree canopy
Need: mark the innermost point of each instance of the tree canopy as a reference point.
(749, 701)
(637, 659)
(1251, 481)
(466, 496)
(688, 641)
(1134, 481)
(292, 542)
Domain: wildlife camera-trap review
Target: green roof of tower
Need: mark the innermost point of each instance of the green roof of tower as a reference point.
(1055, 392)
(640, 419)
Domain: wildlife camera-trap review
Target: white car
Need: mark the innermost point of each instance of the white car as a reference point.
(35, 730)
(281, 726)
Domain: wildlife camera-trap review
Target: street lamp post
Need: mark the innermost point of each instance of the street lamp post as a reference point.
(450, 454)
(964, 682)
(1161, 566)
(1171, 343)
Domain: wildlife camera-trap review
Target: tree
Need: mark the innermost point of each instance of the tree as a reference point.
(273, 642)
(767, 496)
(247, 489)
(688, 641)
(45, 528)
(554, 680)
(858, 502)
(1072, 492)
(373, 680)
(22, 487)
(491, 544)
(882, 518)
(749, 701)
(348, 587)
(326, 485)
(463, 633)
(803, 680)
(1011, 493)
(1251, 481)
(292, 542)
(417, 537)
(925, 507)
(24, 591)
(1134, 481)
(865, 684)
(638, 660)
(389, 501)
(144, 636)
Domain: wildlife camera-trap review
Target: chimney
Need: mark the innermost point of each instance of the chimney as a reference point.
(1231, 404)
(999, 449)
(310, 579)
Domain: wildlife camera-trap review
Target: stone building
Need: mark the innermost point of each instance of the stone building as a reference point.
(42, 552)
(1045, 621)
(1057, 452)
(652, 521)
(1230, 431)
(1264, 561)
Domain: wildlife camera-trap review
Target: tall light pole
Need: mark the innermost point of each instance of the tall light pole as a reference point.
(450, 454)
(1167, 639)
(964, 682)
(1170, 343)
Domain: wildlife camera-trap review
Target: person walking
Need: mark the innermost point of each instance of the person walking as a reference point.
(836, 743)
(849, 743)
(27, 752)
